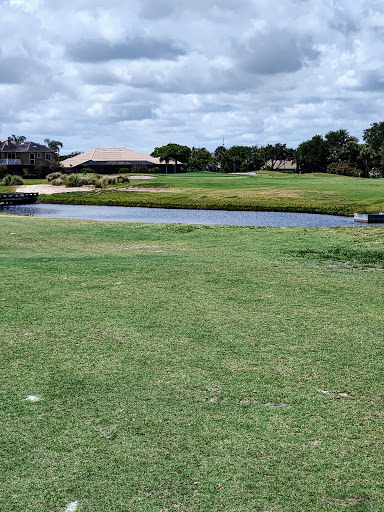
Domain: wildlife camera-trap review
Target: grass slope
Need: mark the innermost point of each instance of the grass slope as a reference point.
(159, 350)
(316, 193)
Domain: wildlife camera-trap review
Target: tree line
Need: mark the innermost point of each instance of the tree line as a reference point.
(337, 152)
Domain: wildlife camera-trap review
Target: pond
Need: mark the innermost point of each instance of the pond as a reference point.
(179, 216)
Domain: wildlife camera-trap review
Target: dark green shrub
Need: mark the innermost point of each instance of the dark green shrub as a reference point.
(6, 180)
(344, 168)
(29, 174)
(17, 180)
(55, 166)
(87, 170)
(139, 168)
(41, 169)
(124, 170)
(3, 169)
(122, 179)
(10, 180)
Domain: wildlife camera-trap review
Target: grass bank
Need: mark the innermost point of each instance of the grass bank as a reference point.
(268, 191)
(193, 368)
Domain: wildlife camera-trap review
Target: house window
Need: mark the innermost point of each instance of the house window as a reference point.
(11, 156)
(48, 156)
(38, 155)
(32, 158)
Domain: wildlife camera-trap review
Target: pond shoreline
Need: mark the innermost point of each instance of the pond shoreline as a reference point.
(94, 199)
(179, 215)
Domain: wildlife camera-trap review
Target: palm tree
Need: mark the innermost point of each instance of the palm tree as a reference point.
(220, 152)
(17, 138)
(55, 145)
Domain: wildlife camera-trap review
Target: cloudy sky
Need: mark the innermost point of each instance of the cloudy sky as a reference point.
(142, 73)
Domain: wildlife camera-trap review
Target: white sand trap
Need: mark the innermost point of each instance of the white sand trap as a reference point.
(33, 398)
(251, 173)
(72, 507)
(142, 177)
(52, 189)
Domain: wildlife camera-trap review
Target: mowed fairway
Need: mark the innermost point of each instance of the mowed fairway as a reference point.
(190, 368)
(268, 190)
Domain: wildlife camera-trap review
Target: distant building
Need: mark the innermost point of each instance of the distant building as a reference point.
(24, 154)
(110, 160)
(282, 165)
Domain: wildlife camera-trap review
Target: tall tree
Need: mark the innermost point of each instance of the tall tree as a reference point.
(174, 152)
(220, 153)
(366, 157)
(374, 136)
(312, 155)
(179, 153)
(162, 153)
(55, 145)
(339, 138)
(200, 160)
(17, 138)
(255, 159)
(240, 159)
(275, 156)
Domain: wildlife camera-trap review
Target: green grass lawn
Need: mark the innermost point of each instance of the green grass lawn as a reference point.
(190, 368)
(316, 193)
(26, 182)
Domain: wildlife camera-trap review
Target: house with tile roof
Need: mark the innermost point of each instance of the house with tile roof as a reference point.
(109, 160)
(24, 154)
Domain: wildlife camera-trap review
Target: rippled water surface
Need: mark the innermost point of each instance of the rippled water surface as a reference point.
(165, 215)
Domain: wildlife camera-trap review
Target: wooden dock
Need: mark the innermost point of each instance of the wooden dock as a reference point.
(15, 198)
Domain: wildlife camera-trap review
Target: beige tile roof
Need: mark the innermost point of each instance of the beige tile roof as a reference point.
(281, 164)
(110, 155)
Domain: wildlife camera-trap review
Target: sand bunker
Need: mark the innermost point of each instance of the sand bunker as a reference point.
(142, 177)
(52, 189)
(48, 189)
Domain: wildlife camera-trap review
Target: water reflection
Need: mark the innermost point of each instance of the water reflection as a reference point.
(164, 215)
